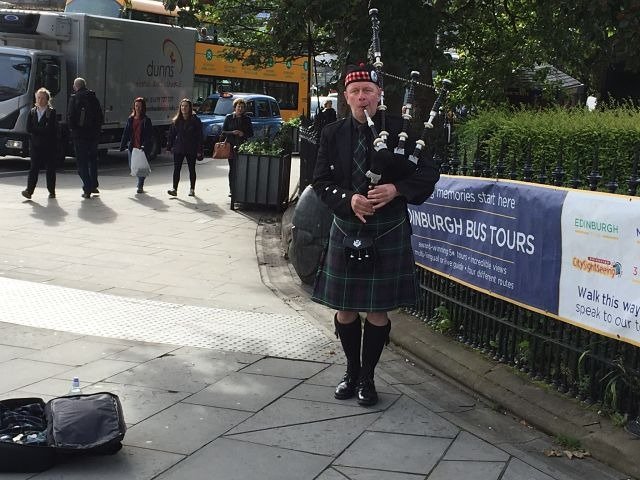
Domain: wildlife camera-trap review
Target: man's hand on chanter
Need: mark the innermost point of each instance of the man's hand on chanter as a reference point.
(380, 195)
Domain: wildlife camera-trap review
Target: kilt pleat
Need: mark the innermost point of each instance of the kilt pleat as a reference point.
(381, 285)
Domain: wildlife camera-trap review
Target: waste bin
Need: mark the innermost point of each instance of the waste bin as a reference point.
(261, 180)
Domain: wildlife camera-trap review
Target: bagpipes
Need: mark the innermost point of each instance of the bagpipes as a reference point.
(383, 160)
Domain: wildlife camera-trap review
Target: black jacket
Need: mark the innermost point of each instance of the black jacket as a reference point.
(90, 131)
(332, 174)
(242, 123)
(146, 135)
(185, 137)
(44, 131)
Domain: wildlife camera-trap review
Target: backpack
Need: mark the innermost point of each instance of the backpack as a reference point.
(88, 112)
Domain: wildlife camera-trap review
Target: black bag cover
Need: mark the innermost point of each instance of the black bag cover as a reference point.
(79, 424)
(85, 423)
(15, 457)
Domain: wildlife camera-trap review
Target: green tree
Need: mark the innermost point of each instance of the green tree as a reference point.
(585, 38)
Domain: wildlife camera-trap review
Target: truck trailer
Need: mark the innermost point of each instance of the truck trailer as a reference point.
(120, 60)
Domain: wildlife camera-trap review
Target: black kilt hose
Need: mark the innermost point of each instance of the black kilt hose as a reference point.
(388, 282)
(381, 283)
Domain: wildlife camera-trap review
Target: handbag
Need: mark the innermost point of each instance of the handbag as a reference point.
(222, 149)
(139, 164)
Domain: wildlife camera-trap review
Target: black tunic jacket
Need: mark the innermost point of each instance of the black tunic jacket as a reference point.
(43, 132)
(332, 174)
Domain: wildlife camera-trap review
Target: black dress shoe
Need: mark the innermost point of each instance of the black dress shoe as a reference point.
(367, 394)
(95, 190)
(52, 195)
(26, 194)
(346, 388)
(86, 195)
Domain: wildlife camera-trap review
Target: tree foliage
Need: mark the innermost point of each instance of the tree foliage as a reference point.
(584, 38)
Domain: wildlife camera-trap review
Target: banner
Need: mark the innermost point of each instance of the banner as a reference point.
(600, 279)
(574, 255)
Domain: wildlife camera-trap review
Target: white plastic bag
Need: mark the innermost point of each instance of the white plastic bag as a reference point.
(139, 164)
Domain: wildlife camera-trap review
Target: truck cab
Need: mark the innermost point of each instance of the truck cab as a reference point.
(24, 68)
(119, 59)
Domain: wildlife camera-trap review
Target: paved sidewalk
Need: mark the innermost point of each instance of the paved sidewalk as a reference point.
(162, 302)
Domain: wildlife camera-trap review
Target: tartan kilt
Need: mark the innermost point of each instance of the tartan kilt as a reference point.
(384, 284)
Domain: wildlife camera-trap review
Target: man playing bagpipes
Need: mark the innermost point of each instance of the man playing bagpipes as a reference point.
(368, 265)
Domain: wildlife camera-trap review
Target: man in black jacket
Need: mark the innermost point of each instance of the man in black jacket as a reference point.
(369, 265)
(85, 118)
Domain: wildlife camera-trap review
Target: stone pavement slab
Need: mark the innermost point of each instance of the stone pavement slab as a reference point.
(226, 459)
(447, 470)
(131, 463)
(326, 437)
(243, 391)
(183, 428)
(411, 453)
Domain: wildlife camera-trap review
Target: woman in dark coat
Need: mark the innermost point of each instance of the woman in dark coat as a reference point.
(236, 129)
(42, 126)
(185, 141)
(138, 133)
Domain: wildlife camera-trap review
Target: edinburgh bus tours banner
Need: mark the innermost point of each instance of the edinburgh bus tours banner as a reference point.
(546, 248)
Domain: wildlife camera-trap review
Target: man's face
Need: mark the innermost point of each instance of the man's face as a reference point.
(361, 96)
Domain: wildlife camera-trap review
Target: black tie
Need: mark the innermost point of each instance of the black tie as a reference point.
(358, 179)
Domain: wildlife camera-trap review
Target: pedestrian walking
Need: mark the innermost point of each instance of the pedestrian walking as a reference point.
(237, 128)
(42, 126)
(85, 119)
(185, 142)
(368, 265)
(138, 133)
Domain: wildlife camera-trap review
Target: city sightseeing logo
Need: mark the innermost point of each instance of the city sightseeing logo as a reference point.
(599, 266)
(167, 70)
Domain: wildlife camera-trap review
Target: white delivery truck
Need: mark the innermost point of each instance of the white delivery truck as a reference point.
(120, 59)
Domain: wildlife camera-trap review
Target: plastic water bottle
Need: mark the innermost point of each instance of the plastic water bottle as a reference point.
(75, 387)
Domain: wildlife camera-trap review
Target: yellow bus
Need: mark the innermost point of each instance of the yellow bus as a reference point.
(287, 82)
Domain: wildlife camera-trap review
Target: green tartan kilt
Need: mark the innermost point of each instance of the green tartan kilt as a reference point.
(381, 285)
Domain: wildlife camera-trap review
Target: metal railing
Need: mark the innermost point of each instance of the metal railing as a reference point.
(590, 367)
(595, 369)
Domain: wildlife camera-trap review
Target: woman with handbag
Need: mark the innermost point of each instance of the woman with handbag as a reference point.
(42, 126)
(138, 133)
(185, 141)
(236, 128)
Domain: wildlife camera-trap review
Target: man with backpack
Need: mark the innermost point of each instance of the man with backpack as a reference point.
(85, 118)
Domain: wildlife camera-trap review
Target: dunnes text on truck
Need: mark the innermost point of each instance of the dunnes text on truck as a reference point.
(120, 59)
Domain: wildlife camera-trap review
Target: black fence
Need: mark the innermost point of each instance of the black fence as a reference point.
(555, 172)
(595, 369)
(590, 367)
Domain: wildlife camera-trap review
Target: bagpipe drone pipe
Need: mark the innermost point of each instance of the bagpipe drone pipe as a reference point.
(385, 163)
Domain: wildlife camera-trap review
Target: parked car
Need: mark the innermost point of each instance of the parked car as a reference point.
(208, 106)
(262, 109)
